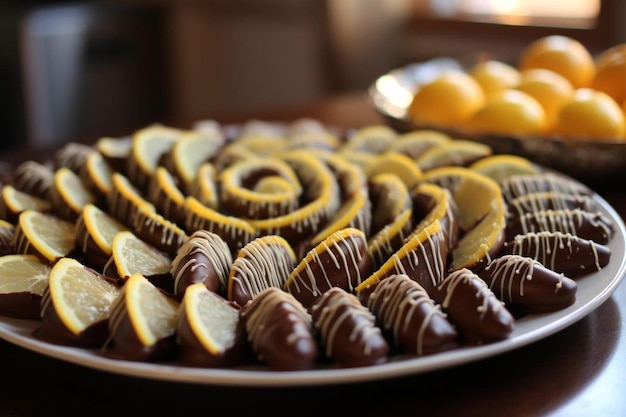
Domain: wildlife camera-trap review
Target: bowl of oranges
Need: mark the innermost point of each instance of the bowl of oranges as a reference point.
(558, 105)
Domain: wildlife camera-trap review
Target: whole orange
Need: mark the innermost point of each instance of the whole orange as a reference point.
(610, 76)
(511, 112)
(591, 115)
(449, 100)
(561, 54)
(495, 76)
(550, 89)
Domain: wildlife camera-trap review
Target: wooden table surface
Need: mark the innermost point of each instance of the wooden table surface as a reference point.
(579, 371)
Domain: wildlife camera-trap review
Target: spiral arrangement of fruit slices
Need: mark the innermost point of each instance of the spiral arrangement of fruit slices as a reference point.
(305, 247)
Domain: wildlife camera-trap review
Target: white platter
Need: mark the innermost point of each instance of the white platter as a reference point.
(593, 290)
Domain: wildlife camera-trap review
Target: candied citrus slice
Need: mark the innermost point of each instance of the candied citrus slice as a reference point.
(483, 241)
(98, 174)
(33, 178)
(148, 145)
(501, 167)
(151, 312)
(211, 318)
(167, 198)
(453, 153)
(473, 193)
(132, 255)
(115, 151)
(80, 296)
(203, 186)
(423, 258)
(125, 199)
(398, 164)
(374, 139)
(44, 235)
(69, 194)
(23, 273)
(416, 142)
(97, 227)
(14, 202)
(191, 151)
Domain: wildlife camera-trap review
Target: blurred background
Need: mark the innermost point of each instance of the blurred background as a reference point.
(82, 70)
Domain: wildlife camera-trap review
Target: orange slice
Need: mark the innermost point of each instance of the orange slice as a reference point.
(452, 153)
(148, 145)
(97, 176)
(115, 151)
(398, 164)
(70, 194)
(210, 318)
(151, 313)
(167, 198)
(501, 167)
(191, 151)
(416, 142)
(131, 255)
(81, 297)
(125, 199)
(482, 213)
(203, 186)
(95, 231)
(373, 139)
(44, 235)
(14, 202)
(23, 280)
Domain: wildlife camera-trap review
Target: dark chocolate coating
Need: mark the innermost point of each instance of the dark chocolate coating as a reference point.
(280, 331)
(193, 353)
(348, 330)
(54, 331)
(584, 224)
(561, 252)
(341, 260)
(204, 257)
(21, 305)
(265, 262)
(519, 185)
(123, 342)
(479, 316)
(526, 286)
(542, 201)
(404, 309)
(33, 178)
(158, 232)
(92, 255)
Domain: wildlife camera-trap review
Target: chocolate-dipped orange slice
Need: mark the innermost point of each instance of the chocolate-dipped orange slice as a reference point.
(423, 258)
(76, 304)
(236, 232)
(241, 197)
(264, 262)
(13, 202)
(23, 280)
(208, 330)
(561, 252)
(526, 286)
(406, 312)
(341, 260)
(7, 233)
(148, 146)
(130, 255)
(204, 258)
(142, 322)
(280, 331)
(479, 316)
(94, 234)
(69, 194)
(45, 235)
(33, 178)
(348, 330)
(587, 225)
(416, 142)
(158, 231)
(125, 199)
(167, 197)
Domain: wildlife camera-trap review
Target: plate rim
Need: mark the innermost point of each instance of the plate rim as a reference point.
(18, 332)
